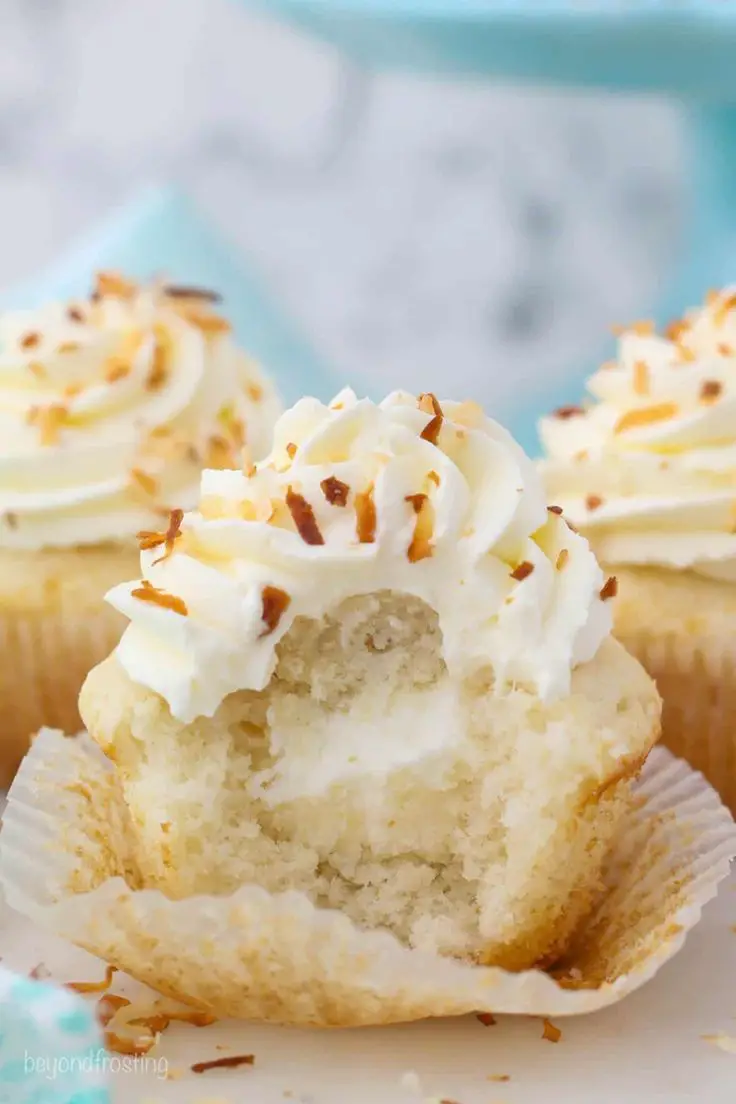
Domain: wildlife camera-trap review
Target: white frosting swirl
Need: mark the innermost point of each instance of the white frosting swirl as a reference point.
(111, 407)
(648, 472)
(461, 524)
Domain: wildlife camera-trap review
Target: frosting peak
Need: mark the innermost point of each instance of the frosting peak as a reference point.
(648, 471)
(414, 496)
(111, 406)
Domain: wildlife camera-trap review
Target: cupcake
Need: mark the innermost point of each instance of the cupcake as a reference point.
(111, 407)
(375, 673)
(647, 472)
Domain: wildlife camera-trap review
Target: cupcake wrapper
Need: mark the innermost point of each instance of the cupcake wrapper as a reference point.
(44, 659)
(696, 677)
(276, 957)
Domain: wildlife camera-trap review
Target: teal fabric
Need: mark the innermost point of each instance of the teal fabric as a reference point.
(683, 46)
(50, 1045)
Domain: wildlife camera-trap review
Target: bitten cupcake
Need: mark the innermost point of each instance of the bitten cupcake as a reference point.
(648, 473)
(109, 409)
(374, 670)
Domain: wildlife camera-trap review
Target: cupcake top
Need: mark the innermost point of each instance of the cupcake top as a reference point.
(648, 470)
(111, 406)
(412, 496)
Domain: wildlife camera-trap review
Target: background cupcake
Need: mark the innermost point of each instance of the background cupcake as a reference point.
(648, 473)
(109, 409)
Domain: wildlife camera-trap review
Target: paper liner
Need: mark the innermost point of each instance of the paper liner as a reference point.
(46, 652)
(696, 676)
(276, 957)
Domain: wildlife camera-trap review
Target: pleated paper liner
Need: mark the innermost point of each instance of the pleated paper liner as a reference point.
(255, 955)
(696, 676)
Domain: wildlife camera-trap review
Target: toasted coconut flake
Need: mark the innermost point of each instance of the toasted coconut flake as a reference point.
(68, 347)
(74, 314)
(274, 604)
(146, 482)
(93, 986)
(303, 517)
(158, 372)
(11, 519)
(49, 420)
(72, 390)
(555, 510)
(108, 1006)
(593, 502)
(177, 291)
(147, 539)
(115, 285)
(522, 571)
(248, 468)
(335, 491)
(674, 330)
(233, 1061)
(365, 516)
(428, 404)
(147, 592)
(220, 453)
(30, 340)
(195, 314)
(710, 391)
(646, 415)
(421, 546)
(291, 450)
(609, 588)
(562, 557)
(643, 328)
(432, 429)
(254, 391)
(119, 1044)
(551, 1033)
(116, 369)
(565, 412)
(433, 477)
(37, 369)
(684, 353)
(417, 501)
(499, 1077)
(725, 349)
(641, 378)
(723, 308)
(486, 1018)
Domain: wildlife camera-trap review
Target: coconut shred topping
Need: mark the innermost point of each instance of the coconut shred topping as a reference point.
(111, 406)
(414, 496)
(648, 471)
